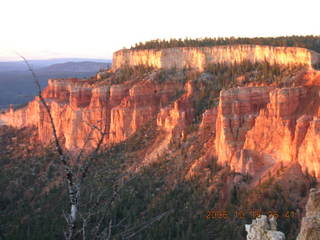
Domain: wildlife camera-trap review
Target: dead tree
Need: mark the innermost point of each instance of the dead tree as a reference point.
(75, 181)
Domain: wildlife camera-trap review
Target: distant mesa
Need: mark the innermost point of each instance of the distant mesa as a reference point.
(199, 57)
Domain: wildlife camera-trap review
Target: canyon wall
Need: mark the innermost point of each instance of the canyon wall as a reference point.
(252, 129)
(78, 107)
(257, 127)
(201, 56)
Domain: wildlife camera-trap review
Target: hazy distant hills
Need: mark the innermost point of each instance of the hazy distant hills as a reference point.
(36, 64)
(16, 83)
(76, 67)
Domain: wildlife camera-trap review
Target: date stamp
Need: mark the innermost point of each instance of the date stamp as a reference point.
(252, 213)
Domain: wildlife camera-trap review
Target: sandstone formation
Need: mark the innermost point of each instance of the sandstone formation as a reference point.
(310, 227)
(259, 126)
(236, 137)
(238, 108)
(251, 130)
(208, 119)
(142, 103)
(207, 133)
(200, 57)
(263, 228)
(172, 122)
(78, 107)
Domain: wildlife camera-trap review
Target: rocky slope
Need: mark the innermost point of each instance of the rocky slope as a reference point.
(200, 57)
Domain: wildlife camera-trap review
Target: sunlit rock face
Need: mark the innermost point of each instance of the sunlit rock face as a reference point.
(77, 108)
(273, 132)
(208, 119)
(179, 114)
(237, 111)
(250, 129)
(142, 103)
(287, 130)
(199, 57)
(311, 222)
(257, 127)
(172, 121)
(74, 106)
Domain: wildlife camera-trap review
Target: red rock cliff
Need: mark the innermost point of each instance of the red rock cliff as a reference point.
(252, 128)
(76, 106)
(200, 57)
(257, 127)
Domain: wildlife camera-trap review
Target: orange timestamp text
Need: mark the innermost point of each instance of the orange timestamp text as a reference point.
(253, 213)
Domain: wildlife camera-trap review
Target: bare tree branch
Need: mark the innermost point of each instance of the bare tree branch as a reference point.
(93, 155)
(131, 232)
(84, 146)
(54, 131)
(73, 189)
(99, 209)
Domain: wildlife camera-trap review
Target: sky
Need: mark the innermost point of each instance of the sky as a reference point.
(43, 29)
